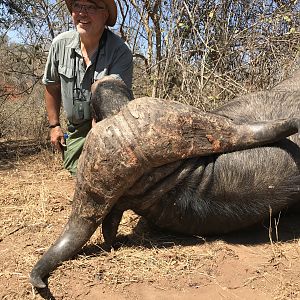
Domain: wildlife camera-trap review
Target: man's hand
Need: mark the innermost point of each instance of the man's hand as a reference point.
(57, 138)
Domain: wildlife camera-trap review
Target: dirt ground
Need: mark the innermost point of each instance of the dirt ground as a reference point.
(36, 195)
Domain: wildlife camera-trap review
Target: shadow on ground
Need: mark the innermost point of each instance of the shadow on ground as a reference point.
(12, 151)
(284, 228)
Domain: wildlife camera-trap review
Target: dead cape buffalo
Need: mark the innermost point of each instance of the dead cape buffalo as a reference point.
(184, 170)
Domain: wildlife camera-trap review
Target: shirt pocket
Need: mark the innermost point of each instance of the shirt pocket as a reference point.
(66, 73)
(67, 84)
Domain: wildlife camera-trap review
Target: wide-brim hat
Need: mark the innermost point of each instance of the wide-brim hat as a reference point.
(110, 5)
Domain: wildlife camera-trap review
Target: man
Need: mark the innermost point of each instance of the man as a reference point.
(76, 59)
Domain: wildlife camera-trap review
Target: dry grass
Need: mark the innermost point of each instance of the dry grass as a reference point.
(36, 195)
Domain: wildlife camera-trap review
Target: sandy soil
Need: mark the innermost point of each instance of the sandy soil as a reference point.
(36, 195)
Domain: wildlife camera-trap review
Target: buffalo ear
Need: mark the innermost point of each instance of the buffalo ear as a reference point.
(96, 101)
(109, 95)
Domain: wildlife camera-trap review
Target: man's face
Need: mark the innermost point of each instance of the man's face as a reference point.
(89, 16)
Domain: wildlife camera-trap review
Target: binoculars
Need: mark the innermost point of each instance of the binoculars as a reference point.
(81, 111)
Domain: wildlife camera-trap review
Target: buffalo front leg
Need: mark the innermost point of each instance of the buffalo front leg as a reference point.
(110, 226)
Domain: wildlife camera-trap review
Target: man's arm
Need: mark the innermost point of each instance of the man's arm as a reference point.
(53, 104)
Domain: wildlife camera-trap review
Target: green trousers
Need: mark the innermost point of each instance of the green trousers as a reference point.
(74, 147)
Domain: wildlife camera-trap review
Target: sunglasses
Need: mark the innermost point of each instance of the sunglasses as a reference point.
(89, 9)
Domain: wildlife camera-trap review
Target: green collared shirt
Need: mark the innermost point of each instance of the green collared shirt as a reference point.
(65, 53)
